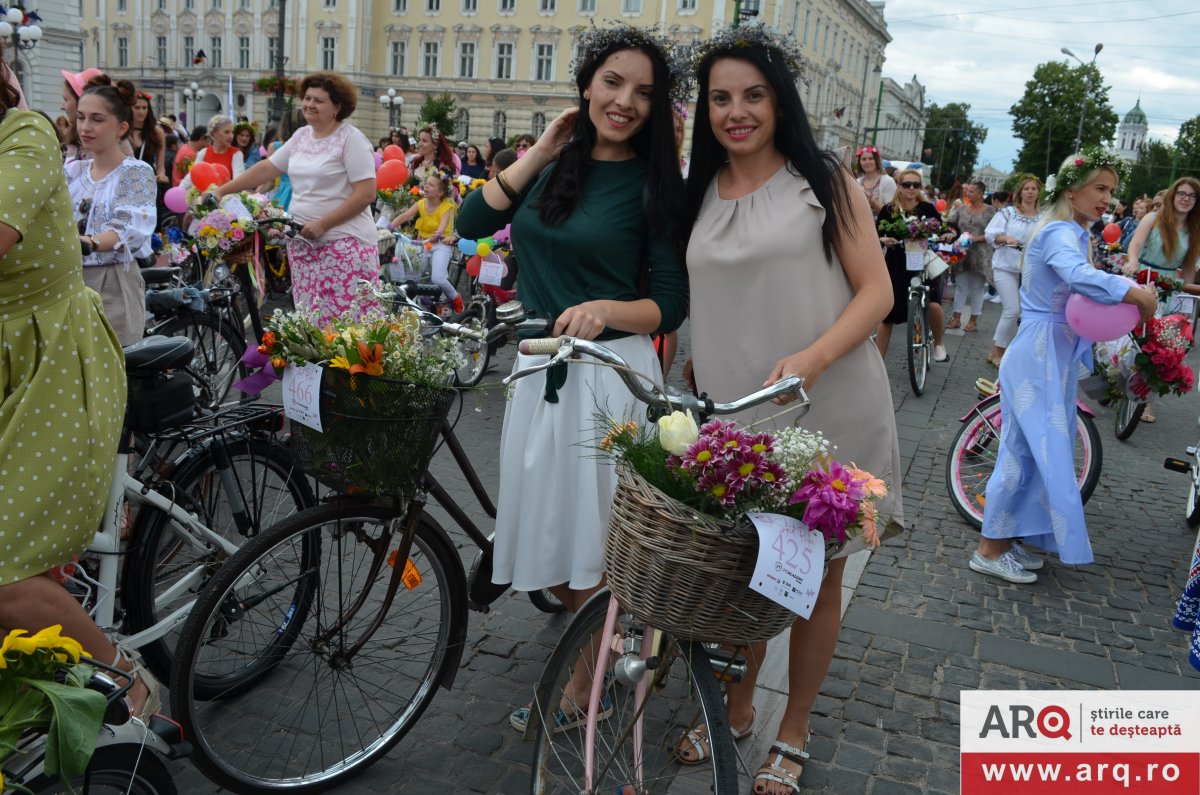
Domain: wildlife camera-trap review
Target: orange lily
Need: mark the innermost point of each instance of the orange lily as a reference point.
(370, 359)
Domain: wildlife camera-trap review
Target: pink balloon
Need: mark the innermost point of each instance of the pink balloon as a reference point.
(262, 151)
(1100, 322)
(175, 200)
(378, 161)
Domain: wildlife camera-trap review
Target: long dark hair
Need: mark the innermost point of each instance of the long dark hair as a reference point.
(655, 142)
(793, 138)
(443, 156)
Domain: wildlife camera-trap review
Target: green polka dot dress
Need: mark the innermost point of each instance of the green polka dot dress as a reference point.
(62, 374)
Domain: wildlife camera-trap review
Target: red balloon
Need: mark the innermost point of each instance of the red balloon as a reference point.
(941, 205)
(392, 152)
(391, 175)
(204, 175)
(1111, 233)
(223, 174)
(473, 266)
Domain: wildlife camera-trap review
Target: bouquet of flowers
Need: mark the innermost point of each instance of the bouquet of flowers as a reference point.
(263, 209)
(399, 199)
(1166, 285)
(725, 471)
(43, 687)
(910, 226)
(1150, 360)
(466, 184)
(373, 343)
(224, 228)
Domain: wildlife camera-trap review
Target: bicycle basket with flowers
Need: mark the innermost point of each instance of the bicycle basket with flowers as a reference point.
(680, 549)
(43, 691)
(384, 391)
(911, 226)
(223, 229)
(1150, 360)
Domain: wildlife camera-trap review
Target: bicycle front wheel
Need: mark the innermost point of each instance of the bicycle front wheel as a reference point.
(247, 480)
(972, 458)
(219, 346)
(317, 680)
(679, 695)
(918, 345)
(1127, 415)
(474, 352)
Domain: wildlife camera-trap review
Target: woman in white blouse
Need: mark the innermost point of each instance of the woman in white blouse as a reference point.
(113, 196)
(1008, 231)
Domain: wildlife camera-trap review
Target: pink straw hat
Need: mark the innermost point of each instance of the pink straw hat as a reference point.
(78, 80)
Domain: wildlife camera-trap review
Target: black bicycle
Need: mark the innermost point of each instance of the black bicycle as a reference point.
(920, 338)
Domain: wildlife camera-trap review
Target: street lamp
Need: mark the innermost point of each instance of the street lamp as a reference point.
(1087, 88)
(395, 106)
(24, 36)
(194, 93)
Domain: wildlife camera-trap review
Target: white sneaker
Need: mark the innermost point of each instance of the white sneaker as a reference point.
(994, 299)
(939, 353)
(1022, 555)
(1005, 567)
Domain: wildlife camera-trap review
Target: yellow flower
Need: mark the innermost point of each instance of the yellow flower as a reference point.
(49, 638)
(340, 362)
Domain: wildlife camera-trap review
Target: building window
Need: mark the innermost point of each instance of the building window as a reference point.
(508, 6)
(466, 59)
(189, 50)
(429, 64)
(470, 6)
(462, 124)
(328, 52)
(214, 54)
(543, 63)
(162, 6)
(272, 51)
(331, 3)
(504, 60)
(538, 124)
(499, 124)
(243, 52)
(433, 6)
(189, 4)
(807, 14)
(399, 55)
(161, 47)
(687, 5)
(546, 6)
(243, 3)
(122, 6)
(216, 3)
(122, 52)
(587, 6)
(399, 6)
(631, 7)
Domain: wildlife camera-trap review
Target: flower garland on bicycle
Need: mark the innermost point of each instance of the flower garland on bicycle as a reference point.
(434, 215)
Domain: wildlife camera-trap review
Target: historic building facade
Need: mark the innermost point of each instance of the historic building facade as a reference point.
(507, 63)
(1131, 133)
(60, 47)
(901, 120)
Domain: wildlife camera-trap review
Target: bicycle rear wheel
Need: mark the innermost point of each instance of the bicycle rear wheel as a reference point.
(219, 347)
(310, 696)
(972, 458)
(918, 345)
(1126, 413)
(680, 694)
(246, 478)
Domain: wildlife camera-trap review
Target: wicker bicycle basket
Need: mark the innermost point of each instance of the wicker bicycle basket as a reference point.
(683, 571)
(379, 434)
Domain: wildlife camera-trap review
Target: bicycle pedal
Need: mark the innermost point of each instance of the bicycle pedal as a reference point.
(1177, 465)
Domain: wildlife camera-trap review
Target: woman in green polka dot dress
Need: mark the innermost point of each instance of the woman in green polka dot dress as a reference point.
(62, 389)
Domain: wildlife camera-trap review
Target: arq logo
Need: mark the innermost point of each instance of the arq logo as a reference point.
(1052, 722)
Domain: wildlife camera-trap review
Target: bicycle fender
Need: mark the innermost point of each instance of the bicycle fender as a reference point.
(1085, 408)
(979, 407)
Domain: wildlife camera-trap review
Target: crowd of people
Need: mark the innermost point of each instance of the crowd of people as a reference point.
(779, 255)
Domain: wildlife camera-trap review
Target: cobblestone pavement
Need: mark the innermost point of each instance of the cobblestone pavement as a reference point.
(920, 627)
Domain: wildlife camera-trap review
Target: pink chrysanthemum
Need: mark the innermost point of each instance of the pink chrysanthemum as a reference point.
(831, 497)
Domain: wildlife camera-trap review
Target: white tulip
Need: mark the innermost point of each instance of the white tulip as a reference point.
(677, 432)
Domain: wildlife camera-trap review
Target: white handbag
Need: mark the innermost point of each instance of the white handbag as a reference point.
(935, 266)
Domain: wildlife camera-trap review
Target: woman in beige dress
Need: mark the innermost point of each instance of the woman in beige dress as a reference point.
(786, 278)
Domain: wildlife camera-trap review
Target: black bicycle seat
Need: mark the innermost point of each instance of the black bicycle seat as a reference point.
(157, 276)
(158, 353)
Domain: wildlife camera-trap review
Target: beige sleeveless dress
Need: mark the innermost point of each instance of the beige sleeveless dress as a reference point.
(761, 289)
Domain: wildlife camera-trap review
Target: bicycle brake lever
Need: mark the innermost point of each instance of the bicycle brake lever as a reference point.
(558, 358)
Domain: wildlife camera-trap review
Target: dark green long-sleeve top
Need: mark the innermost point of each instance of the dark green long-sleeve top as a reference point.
(595, 253)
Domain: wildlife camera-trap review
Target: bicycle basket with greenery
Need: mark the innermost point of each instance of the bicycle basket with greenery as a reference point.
(680, 549)
(384, 392)
(43, 690)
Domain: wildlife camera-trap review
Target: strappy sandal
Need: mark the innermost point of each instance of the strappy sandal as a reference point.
(775, 772)
(954, 324)
(140, 673)
(970, 325)
(696, 741)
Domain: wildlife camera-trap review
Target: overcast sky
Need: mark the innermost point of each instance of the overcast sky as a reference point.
(982, 53)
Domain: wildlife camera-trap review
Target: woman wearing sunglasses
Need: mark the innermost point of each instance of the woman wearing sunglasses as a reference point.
(908, 201)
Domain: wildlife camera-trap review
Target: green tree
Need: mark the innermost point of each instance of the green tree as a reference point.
(1046, 117)
(1155, 164)
(1188, 144)
(439, 110)
(951, 143)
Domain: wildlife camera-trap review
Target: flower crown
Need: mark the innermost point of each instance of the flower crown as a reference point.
(595, 43)
(434, 132)
(1079, 166)
(750, 35)
(872, 150)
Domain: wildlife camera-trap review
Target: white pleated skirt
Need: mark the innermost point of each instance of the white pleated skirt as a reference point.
(556, 488)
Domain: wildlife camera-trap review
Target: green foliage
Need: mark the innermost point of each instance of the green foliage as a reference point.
(71, 738)
(1046, 117)
(1188, 144)
(955, 141)
(1156, 165)
(439, 109)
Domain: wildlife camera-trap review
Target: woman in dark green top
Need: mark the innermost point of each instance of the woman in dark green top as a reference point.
(594, 202)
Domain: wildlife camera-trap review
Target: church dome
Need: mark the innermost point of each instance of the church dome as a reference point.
(1137, 115)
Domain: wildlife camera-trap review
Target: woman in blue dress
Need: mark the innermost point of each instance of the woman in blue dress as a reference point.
(1033, 495)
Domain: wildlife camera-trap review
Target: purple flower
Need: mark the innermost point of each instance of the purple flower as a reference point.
(701, 454)
(831, 498)
(717, 485)
(745, 468)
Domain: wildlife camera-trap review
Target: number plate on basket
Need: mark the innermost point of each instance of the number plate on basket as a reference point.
(491, 273)
(791, 562)
(302, 395)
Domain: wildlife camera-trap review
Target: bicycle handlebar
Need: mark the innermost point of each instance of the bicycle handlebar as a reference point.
(563, 348)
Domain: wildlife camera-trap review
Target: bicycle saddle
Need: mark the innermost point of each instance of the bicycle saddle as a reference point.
(157, 276)
(154, 354)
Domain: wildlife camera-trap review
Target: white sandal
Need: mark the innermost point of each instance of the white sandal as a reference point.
(140, 673)
(697, 738)
(775, 772)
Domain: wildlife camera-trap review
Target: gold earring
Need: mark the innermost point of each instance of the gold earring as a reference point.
(587, 95)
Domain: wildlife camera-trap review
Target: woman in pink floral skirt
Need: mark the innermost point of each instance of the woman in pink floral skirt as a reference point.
(332, 169)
